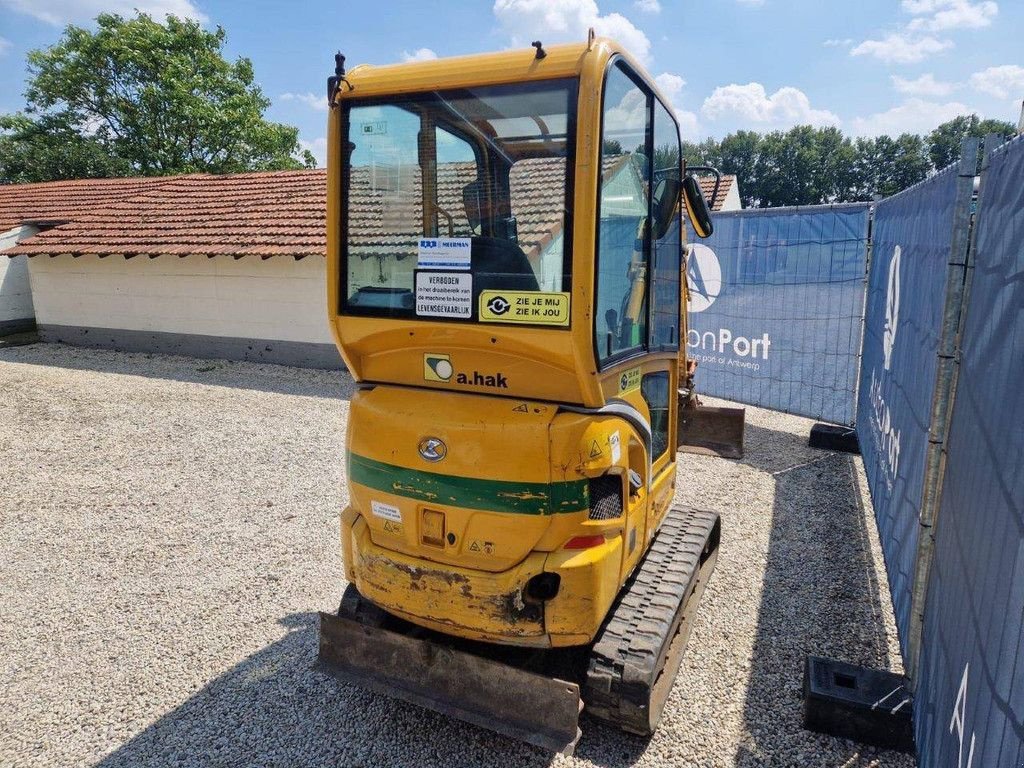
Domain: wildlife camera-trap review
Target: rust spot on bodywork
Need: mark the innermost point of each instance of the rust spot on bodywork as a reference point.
(511, 608)
(524, 496)
(415, 573)
(414, 491)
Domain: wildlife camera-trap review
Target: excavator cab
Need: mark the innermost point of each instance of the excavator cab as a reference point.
(504, 265)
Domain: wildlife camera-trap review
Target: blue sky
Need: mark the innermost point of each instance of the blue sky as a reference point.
(870, 66)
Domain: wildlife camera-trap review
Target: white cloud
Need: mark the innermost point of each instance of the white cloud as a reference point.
(925, 85)
(60, 12)
(648, 6)
(319, 149)
(750, 103)
(311, 100)
(5, 44)
(912, 116)
(941, 15)
(899, 48)
(1002, 82)
(671, 87)
(420, 54)
(561, 20)
(835, 42)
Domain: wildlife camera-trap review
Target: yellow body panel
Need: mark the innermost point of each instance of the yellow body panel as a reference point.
(450, 545)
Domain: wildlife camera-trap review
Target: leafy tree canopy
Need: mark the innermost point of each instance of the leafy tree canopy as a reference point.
(140, 97)
(807, 166)
(944, 142)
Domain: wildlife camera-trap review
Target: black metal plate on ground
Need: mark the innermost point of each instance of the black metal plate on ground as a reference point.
(831, 437)
(866, 705)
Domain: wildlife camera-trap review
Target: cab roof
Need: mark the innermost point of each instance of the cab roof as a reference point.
(510, 66)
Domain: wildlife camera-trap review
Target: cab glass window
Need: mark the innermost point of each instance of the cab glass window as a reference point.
(666, 250)
(451, 194)
(623, 222)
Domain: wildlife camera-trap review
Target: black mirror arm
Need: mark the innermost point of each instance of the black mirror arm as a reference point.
(712, 171)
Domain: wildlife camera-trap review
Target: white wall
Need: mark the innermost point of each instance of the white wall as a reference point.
(732, 200)
(249, 298)
(15, 291)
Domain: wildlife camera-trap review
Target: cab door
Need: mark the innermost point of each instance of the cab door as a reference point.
(637, 323)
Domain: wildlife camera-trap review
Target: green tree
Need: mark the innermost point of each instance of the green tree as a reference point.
(837, 178)
(155, 98)
(885, 166)
(45, 149)
(738, 155)
(944, 142)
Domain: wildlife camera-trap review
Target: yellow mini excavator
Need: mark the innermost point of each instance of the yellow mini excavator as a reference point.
(504, 260)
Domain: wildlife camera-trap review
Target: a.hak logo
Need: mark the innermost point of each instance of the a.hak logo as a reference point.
(892, 309)
(438, 367)
(703, 276)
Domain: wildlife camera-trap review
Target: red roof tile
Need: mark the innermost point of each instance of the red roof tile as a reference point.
(265, 214)
(269, 213)
(707, 186)
(60, 201)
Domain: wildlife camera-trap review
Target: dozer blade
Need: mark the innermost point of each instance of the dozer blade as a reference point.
(711, 431)
(523, 705)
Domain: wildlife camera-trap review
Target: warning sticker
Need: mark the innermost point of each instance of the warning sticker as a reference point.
(387, 511)
(444, 294)
(444, 253)
(629, 380)
(536, 307)
(614, 442)
(487, 547)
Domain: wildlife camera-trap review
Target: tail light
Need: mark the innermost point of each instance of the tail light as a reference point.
(585, 542)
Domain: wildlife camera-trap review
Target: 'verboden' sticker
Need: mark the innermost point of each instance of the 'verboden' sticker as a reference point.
(387, 511)
(444, 294)
(534, 307)
(615, 443)
(444, 253)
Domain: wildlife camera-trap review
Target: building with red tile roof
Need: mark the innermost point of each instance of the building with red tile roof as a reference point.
(210, 299)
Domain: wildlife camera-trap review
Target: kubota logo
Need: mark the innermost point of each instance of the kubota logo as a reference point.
(892, 309)
(704, 277)
(432, 448)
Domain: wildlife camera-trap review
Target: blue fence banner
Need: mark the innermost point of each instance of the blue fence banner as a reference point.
(776, 307)
(911, 245)
(969, 710)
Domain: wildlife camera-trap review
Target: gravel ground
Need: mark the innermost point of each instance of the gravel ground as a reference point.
(168, 531)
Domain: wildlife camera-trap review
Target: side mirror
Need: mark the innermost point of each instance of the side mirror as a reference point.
(666, 198)
(697, 208)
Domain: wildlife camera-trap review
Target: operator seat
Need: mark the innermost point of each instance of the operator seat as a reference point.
(497, 263)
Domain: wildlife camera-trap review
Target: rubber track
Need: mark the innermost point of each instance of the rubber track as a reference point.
(646, 631)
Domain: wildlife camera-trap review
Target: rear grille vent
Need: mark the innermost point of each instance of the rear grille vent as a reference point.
(605, 497)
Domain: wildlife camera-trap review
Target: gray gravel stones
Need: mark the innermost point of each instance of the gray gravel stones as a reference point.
(168, 530)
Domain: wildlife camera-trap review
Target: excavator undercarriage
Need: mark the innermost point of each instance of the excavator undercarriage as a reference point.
(536, 695)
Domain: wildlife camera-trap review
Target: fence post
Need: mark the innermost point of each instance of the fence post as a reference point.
(869, 249)
(947, 368)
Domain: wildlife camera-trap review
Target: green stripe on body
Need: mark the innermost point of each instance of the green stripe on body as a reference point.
(470, 492)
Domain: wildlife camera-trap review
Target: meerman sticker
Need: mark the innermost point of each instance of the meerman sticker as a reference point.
(444, 253)
(533, 307)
